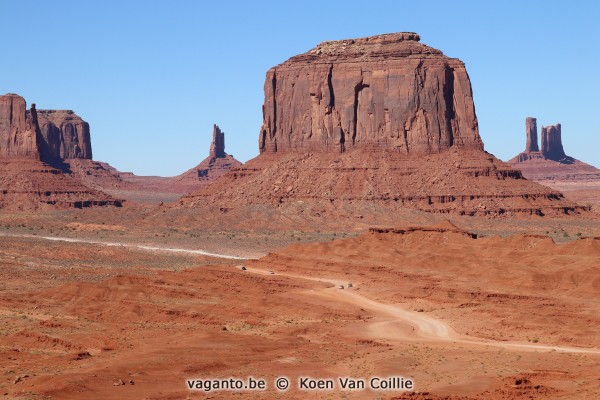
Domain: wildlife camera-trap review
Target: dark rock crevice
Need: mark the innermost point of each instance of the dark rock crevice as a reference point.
(357, 89)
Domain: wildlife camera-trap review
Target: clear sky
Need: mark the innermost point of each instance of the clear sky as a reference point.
(151, 77)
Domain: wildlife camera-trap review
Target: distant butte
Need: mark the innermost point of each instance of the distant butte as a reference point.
(215, 165)
(156, 189)
(34, 145)
(551, 162)
(381, 123)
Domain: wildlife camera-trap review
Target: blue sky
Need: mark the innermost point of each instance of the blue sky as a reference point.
(152, 77)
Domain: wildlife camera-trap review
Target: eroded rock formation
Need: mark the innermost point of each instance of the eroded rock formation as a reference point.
(552, 165)
(386, 91)
(216, 164)
(366, 128)
(217, 146)
(532, 136)
(27, 178)
(19, 131)
(552, 147)
(65, 135)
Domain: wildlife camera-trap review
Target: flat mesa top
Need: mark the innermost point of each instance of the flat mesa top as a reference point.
(372, 48)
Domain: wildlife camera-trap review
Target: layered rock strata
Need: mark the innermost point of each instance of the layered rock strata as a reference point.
(373, 126)
(387, 91)
(27, 178)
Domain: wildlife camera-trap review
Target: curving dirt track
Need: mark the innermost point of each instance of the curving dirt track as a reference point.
(495, 318)
(401, 324)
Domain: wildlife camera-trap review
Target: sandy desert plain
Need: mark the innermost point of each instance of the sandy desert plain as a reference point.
(410, 257)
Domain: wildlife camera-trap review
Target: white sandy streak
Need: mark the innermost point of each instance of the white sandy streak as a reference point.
(134, 246)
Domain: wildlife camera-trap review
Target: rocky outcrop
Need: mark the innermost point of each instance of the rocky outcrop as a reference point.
(47, 134)
(368, 128)
(387, 91)
(19, 131)
(552, 147)
(30, 184)
(551, 166)
(215, 165)
(32, 143)
(217, 146)
(154, 189)
(65, 135)
(532, 136)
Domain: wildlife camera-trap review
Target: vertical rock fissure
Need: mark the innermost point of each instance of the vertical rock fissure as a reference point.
(357, 89)
(274, 85)
(330, 87)
(10, 115)
(449, 99)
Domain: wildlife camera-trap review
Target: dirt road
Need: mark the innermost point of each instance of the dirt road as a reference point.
(395, 323)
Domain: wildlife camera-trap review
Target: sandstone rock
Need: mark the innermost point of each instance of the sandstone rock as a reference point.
(217, 146)
(27, 178)
(19, 133)
(387, 91)
(371, 127)
(551, 165)
(378, 185)
(30, 184)
(215, 165)
(65, 135)
(532, 137)
(552, 147)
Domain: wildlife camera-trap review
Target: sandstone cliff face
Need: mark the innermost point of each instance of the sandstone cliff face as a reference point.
(47, 134)
(552, 147)
(386, 91)
(532, 137)
(28, 179)
(19, 132)
(65, 135)
(369, 127)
